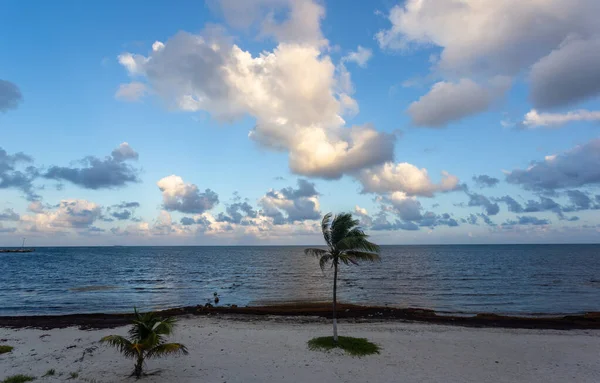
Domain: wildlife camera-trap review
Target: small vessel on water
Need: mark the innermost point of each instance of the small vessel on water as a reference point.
(21, 250)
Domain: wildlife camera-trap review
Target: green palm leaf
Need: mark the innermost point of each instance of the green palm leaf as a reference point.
(124, 345)
(356, 256)
(166, 349)
(326, 229)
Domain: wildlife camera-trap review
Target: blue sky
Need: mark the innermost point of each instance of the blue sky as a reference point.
(223, 122)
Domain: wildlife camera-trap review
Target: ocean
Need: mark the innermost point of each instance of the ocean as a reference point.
(504, 279)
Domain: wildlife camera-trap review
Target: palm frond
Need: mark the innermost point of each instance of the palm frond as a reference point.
(359, 242)
(312, 251)
(326, 228)
(166, 349)
(124, 345)
(324, 260)
(165, 326)
(340, 227)
(356, 256)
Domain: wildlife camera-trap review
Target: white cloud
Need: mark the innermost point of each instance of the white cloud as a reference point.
(534, 119)
(361, 56)
(405, 178)
(133, 63)
(69, 214)
(132, 91)
(447, 101)
(294, 92)
(185, 198)
(157, 46)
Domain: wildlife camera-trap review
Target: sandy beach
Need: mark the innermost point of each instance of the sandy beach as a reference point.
(273, 349)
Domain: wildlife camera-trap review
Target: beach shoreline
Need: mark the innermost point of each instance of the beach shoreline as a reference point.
(349, 312)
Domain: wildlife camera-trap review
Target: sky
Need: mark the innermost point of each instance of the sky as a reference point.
(226, 122)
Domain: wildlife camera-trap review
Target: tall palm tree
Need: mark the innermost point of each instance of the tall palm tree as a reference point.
(146, 340)
(346, 243)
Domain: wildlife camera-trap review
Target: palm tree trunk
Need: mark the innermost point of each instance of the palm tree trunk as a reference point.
(335, 272)
(138, 367)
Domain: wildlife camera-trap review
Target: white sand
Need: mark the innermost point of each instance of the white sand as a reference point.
(234, 350)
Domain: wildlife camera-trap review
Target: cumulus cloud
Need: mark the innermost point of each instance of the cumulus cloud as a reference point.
(447, 102)
(576, 167)
(361, 56)
(295, 92)
(68, 214)
(484, 180)
(10, 96)
(97, 173)
(534, 119)
(567, 75)
(289, 205)
(556, 40)
(405, 178)
(133, 91)
(16, 172)
(185, 198)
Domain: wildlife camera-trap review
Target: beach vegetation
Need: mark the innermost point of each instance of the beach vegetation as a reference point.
(5, 349)
(346, 243)
(50, 372)
(19, 379)
(146, 340)
(352, 346)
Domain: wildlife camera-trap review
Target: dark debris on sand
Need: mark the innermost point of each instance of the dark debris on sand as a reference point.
(320, 310)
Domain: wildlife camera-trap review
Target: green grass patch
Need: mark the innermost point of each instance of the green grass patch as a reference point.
(352, 346)
(73, 375)
(50, 372)
(4, 349)
(18, 379)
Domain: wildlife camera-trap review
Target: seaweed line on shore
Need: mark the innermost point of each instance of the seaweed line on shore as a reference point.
(321, 310)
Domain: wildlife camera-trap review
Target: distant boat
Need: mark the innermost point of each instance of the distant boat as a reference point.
(21, 250)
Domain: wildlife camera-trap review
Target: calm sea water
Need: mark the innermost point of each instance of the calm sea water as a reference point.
(512, 279)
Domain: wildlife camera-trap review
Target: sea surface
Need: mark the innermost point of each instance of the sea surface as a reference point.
(507, 279)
